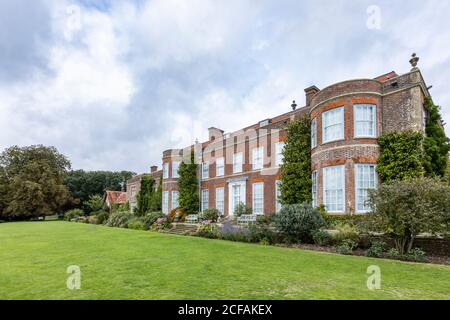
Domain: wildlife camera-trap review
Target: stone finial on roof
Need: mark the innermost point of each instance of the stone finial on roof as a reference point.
(414, 61)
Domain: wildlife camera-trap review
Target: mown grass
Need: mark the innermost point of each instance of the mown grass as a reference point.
(128, 264)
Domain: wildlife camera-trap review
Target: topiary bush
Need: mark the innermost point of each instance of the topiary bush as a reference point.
(119, 219)
(73, 214)
(298, 222)
(211, 214)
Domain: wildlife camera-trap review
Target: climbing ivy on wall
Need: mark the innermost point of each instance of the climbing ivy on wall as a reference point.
(296, 171)
(436, 144)
(188, 186)
(401, 156)
(145, 195)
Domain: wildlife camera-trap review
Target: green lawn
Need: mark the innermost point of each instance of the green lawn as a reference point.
(128, 264)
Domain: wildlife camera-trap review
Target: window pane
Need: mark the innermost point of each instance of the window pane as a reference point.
(175, 167)
(333, 124)
(165, 202)
(333, 188)
(205, 199)
(277, 196)
(257, 162)
(365, 180)
(314, 188)
(365, 120)
(313, 133)
(279, 146)
(220, 165)
(237, 162)
(175, 200)
(220, 199)
(205, 170)
(258, 198)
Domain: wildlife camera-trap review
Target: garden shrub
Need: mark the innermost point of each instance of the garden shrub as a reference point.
(322, 238)
(208, 230)
(345, 232)
(417, 255)
(404, 209)
(259, 233)
(230, 232)
(73, 214)
(376, 250)
(119, 219)
(162, 223)
(150, 218)
(242, 209)
(298, 221)
(346, 247)
(92, 219)
(102, 217)
(211, 214)
(393, 253)
(136, 224)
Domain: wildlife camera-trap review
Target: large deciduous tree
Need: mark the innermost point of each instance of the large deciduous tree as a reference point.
(31, 182)
(296, 170)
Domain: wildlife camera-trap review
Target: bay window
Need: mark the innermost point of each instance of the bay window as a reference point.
(314, 133)
(314, 188)
(175, 167)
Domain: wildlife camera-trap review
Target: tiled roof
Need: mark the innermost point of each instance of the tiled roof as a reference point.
(116, 197)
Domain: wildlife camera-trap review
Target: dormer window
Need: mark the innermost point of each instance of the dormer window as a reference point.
(264, 123)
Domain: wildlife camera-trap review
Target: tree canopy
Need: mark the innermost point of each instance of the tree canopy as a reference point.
(84, 184)
(31, 182)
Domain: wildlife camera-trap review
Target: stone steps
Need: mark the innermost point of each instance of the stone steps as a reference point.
(183, 228)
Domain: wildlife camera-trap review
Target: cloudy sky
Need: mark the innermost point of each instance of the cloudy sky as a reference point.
(112, 84)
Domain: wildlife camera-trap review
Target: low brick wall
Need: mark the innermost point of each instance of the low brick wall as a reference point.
(431, 246)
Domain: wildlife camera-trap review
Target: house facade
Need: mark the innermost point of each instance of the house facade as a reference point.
(346, 119)
(134, 185)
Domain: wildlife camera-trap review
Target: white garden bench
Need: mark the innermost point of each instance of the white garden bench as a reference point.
(191, 218)
(246, 219)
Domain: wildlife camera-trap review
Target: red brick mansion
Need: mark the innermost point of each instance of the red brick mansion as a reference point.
(346, 119)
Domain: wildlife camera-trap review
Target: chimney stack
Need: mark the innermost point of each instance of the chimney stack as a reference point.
(153, 169)
(310, 93)
(215, 133)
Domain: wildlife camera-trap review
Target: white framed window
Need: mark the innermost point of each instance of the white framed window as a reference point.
(333, 125)
(220, 193)
(277, 195)
(314, 188)
(237, 162)
(175, 167)
(279, 146)
(205, 199)
(133, 192)
(220, 167)
(165, 202)
(314, 133)
(365, 120)
(165, 170)
(334, 188)
(258, 198)
(257, 158)
(175, 200)
(365, 179)
(205, 170)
